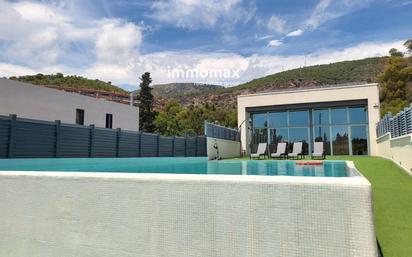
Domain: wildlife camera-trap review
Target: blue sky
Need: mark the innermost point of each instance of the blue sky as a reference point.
(206, 41)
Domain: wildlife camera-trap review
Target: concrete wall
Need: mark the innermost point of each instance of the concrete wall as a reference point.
(110, 215)
(317, 95)
(227, 148)
(35, 102)
(398, 149)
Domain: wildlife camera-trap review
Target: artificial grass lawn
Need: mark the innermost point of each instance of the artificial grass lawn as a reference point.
(392, 199)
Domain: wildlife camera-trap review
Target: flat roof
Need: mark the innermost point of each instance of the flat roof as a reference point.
(313, 88)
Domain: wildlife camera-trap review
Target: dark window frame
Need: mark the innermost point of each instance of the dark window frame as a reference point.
(80, 116)
(109, 120)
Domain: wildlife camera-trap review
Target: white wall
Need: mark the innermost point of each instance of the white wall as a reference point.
(316, 95)
(227, 148)
(151, 215)
(35, 102)
(398, 149)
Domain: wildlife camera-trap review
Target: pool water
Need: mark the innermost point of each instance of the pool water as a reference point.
(178, 165)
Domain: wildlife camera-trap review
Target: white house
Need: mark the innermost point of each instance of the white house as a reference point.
(342, 116)
(36, 102)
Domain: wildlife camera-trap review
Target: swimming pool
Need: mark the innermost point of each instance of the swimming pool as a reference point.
(184, 165)
(190, 207)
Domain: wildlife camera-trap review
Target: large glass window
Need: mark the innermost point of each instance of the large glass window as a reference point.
(298, 118)
(339, 116)
(321, 134)
(343, 130)
(321, 117)
(359, 140)
(278, 119)
(259, 120)
(358, 115)
(340, 140)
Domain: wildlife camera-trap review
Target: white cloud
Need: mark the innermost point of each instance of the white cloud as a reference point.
(195, 14)
(327, 10)
(248, 67)
(46, 39)
(274, 42)
(276, 24)
(295, 33)
(43, 35)
(117, 42)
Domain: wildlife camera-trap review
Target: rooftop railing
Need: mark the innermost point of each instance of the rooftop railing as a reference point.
(398, 125)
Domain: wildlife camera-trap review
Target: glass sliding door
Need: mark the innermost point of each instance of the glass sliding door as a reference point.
(277, 135)
(298, 118)
(343, 130)
(299, 135)
(299, 129)
(359, 140)
(259, 131)
(321, 134)
(321, 128)
(339, 116)
(340, 140)
(278, 129)
(358, 115)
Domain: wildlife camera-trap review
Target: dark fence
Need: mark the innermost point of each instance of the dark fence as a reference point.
(398, 125)
(26, 138)
(217, 131)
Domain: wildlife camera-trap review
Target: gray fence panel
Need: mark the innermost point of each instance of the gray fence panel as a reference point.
(201, 146)
(104, 144)
(217, 131)
(402, 122)
(191, 146)
(179, 146)
(75, 141)
(409, 119)
(129, 144)
(4, 136)
(165, 146)
(34, 139)
(149, 145)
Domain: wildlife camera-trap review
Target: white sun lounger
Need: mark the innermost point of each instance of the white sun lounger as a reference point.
(318, 151)
(280, 151)
(297, 150)
(261, 150)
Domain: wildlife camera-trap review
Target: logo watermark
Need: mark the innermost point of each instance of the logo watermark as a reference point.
(210, 74)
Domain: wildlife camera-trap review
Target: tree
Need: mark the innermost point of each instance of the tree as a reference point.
(396, 84)
(395, 52)
(178, 120)
(408, 45)
(167, 122)
(146, 112)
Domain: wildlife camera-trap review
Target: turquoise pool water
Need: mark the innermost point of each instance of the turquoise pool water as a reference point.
(177, 165)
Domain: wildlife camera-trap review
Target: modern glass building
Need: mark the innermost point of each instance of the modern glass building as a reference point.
(343, 130)
(340, 116)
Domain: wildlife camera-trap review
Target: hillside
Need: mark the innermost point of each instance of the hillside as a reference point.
(179, 90)
(59, 80)
(365, 70)
(334, 73)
